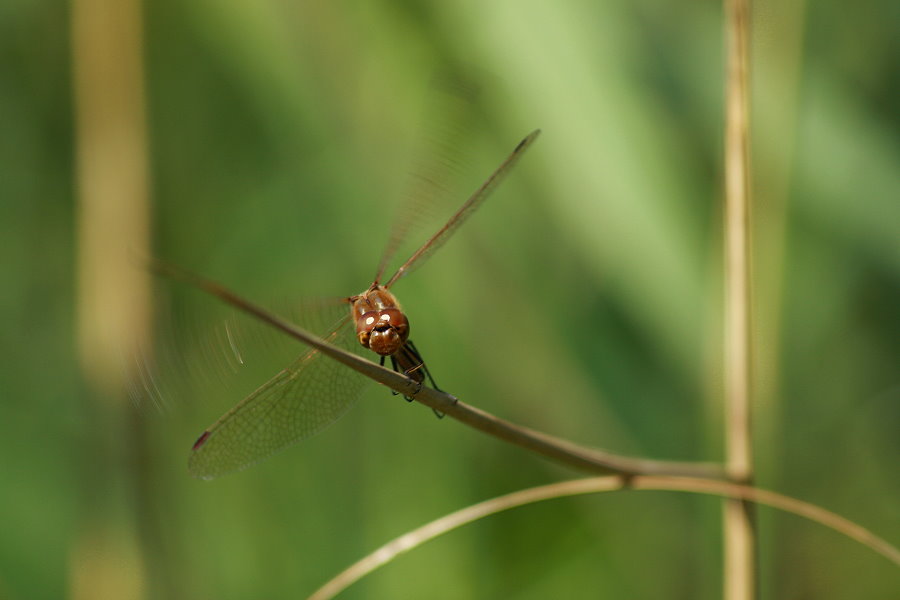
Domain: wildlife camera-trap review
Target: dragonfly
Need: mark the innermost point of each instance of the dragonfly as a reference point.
(313, 392)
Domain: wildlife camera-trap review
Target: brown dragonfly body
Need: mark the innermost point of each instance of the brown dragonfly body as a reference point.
(380, 324)
(382, 327)
(312, 392)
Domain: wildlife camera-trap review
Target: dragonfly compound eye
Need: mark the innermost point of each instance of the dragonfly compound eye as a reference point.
(364, 326)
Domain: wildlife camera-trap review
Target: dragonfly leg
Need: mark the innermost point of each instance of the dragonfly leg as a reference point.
(396, 368)
(409, 362)
(424, 368)
(393, 366)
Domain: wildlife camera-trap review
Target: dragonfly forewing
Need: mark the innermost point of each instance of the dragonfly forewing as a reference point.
(465, 211)
(298, 402)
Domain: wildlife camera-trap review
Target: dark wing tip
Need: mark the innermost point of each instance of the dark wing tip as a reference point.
(196, 466)
(200, 440)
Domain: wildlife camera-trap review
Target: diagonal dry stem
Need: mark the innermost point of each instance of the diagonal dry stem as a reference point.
(580, 457)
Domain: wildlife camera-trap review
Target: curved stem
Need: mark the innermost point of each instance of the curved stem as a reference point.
(438, 527)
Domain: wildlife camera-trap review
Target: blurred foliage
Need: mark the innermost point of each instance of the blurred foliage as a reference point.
(583, 299)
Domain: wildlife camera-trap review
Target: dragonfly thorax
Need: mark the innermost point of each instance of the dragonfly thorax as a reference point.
(380, 324)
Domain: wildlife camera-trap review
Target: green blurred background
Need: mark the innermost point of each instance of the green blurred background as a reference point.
(584, 299)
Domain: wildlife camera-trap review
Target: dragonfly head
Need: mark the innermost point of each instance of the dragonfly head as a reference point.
(383, 331)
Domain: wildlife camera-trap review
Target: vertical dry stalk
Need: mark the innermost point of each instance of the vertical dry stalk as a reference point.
(111, 173)
(739, 562)
(113, 307)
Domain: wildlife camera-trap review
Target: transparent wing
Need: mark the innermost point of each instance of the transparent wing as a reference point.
(436, 157)
(297, 403)
(465, 211)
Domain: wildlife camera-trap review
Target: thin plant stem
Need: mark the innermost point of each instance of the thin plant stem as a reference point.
(739, 564)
